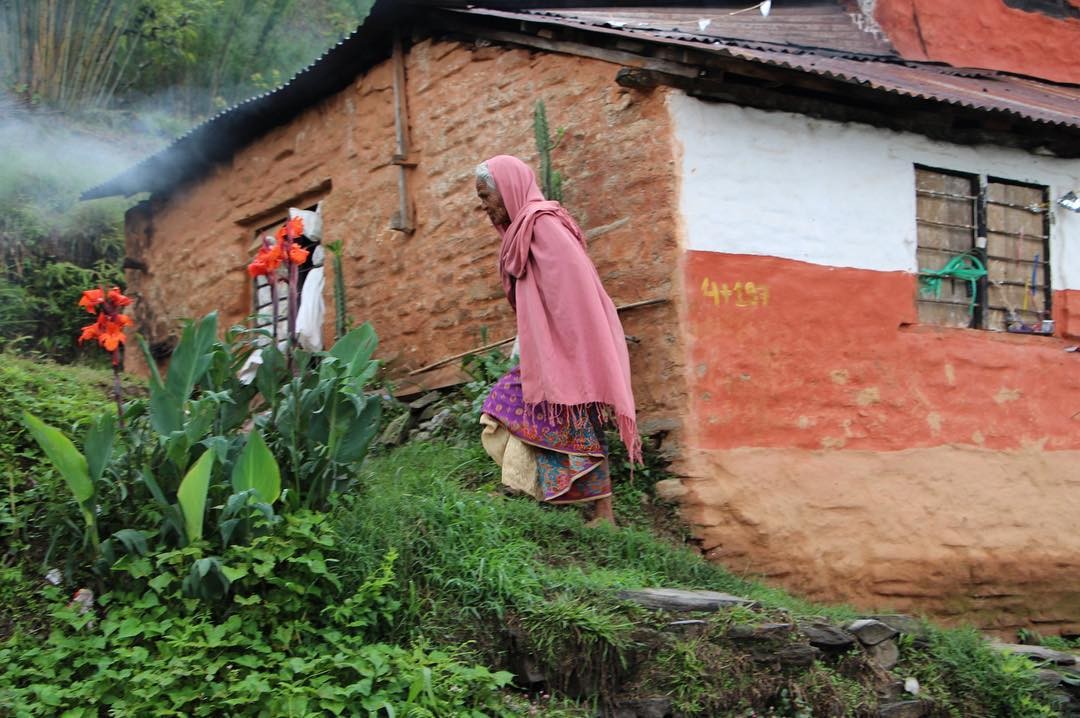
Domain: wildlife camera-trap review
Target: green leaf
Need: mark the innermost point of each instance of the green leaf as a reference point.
(160, 582)
(191, 358)
(257, 469)
(356, 347)
(354, 443)
(166, 415)
(134, 541)
(151, 362)
(152, 485)
(270, 373)
(99, 444)
(64, 456)
(192, 496)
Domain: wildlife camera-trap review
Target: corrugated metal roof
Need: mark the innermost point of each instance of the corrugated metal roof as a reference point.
(823, 26)
(986, 90)
(816, 37)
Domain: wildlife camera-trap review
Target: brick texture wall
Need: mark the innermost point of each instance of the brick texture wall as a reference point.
(436, 292)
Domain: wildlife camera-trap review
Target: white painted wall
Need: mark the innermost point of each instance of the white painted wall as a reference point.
(832, 193)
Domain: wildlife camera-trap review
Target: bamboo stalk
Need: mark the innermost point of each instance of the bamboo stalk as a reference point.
(501, 342)
(65, 53)
(93, 50)
(104, 63)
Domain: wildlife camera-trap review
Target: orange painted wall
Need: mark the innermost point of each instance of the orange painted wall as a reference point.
(984, 33)
(832, 358)
(841, 450)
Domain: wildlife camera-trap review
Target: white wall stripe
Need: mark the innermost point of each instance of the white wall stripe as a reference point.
(831, 193)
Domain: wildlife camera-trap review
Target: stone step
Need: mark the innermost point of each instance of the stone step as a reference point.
(673, 599)
(1039, 653)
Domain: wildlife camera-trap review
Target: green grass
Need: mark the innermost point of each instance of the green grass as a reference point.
(36, 511)
(487, 550)
(475, 566)
(506, 577)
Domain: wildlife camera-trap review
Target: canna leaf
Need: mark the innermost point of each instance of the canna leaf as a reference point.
(99, 444)
(65, 457)
(192, 496)
(257, 469)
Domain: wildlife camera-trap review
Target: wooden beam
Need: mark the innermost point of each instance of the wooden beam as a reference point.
(403, 220)
(503, 342)
(567, 47)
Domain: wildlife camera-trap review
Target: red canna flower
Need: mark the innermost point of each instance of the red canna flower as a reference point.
(297, 254)
(266, 259)
(117, 299)
(91, 331)
(91, 298)
(294, 228)
(108, 331)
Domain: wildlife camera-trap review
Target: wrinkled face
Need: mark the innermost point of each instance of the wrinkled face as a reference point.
(492, 204)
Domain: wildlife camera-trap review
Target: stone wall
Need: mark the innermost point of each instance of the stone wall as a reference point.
(436, 292)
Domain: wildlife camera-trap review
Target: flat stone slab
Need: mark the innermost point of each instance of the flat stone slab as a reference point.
(688, 627)
(644, 708)
(793, 655)
(673, 599)
(871, 632)
(1039, 653)
(760, 631)
(827, 637)
(426, 400)
(900, 622)
(904, 709)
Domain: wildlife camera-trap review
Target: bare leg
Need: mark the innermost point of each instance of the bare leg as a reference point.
(603, 512)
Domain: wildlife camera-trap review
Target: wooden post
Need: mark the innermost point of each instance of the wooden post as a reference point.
(403, 219)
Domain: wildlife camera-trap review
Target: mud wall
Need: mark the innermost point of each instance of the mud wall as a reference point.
(1012, 35)
(436, 292)
(840, 447)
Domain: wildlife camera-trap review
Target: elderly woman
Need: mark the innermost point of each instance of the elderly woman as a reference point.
(544, 420)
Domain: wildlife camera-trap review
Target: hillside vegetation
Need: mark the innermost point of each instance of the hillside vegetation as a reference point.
(422, 590)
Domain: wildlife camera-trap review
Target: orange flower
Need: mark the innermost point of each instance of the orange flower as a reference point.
(91, 298)
(297, 254)
(109, 332)
(113, 336)
(90, 331)
(282, 234)
(266, 260)
(117, 299)
(294, 228)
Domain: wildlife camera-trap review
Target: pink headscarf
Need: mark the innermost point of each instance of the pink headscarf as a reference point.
(573, 349)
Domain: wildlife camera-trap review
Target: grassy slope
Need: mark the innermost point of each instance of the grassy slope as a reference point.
(472, 562)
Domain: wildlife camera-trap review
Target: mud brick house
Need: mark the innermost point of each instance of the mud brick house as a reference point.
(839, 231)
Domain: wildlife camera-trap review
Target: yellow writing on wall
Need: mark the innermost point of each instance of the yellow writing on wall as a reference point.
(742, 294)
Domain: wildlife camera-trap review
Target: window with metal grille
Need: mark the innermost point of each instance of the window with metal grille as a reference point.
(983, 252)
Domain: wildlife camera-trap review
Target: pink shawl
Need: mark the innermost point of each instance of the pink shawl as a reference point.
(572, 345)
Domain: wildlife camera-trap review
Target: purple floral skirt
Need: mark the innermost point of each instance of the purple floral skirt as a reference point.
(571, 456)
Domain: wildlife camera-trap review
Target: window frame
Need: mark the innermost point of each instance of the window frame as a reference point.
(980, 230)
(258, 282)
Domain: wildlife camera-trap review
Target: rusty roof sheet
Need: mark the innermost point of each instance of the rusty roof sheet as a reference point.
(823, 26)
(984, 90)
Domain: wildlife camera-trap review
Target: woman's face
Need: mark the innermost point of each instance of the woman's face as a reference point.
(492, 204)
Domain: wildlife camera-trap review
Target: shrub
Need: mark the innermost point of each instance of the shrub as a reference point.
(35, 515)
(192, 464)
(290, 642)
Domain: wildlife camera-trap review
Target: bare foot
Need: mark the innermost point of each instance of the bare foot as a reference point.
(603, 512)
